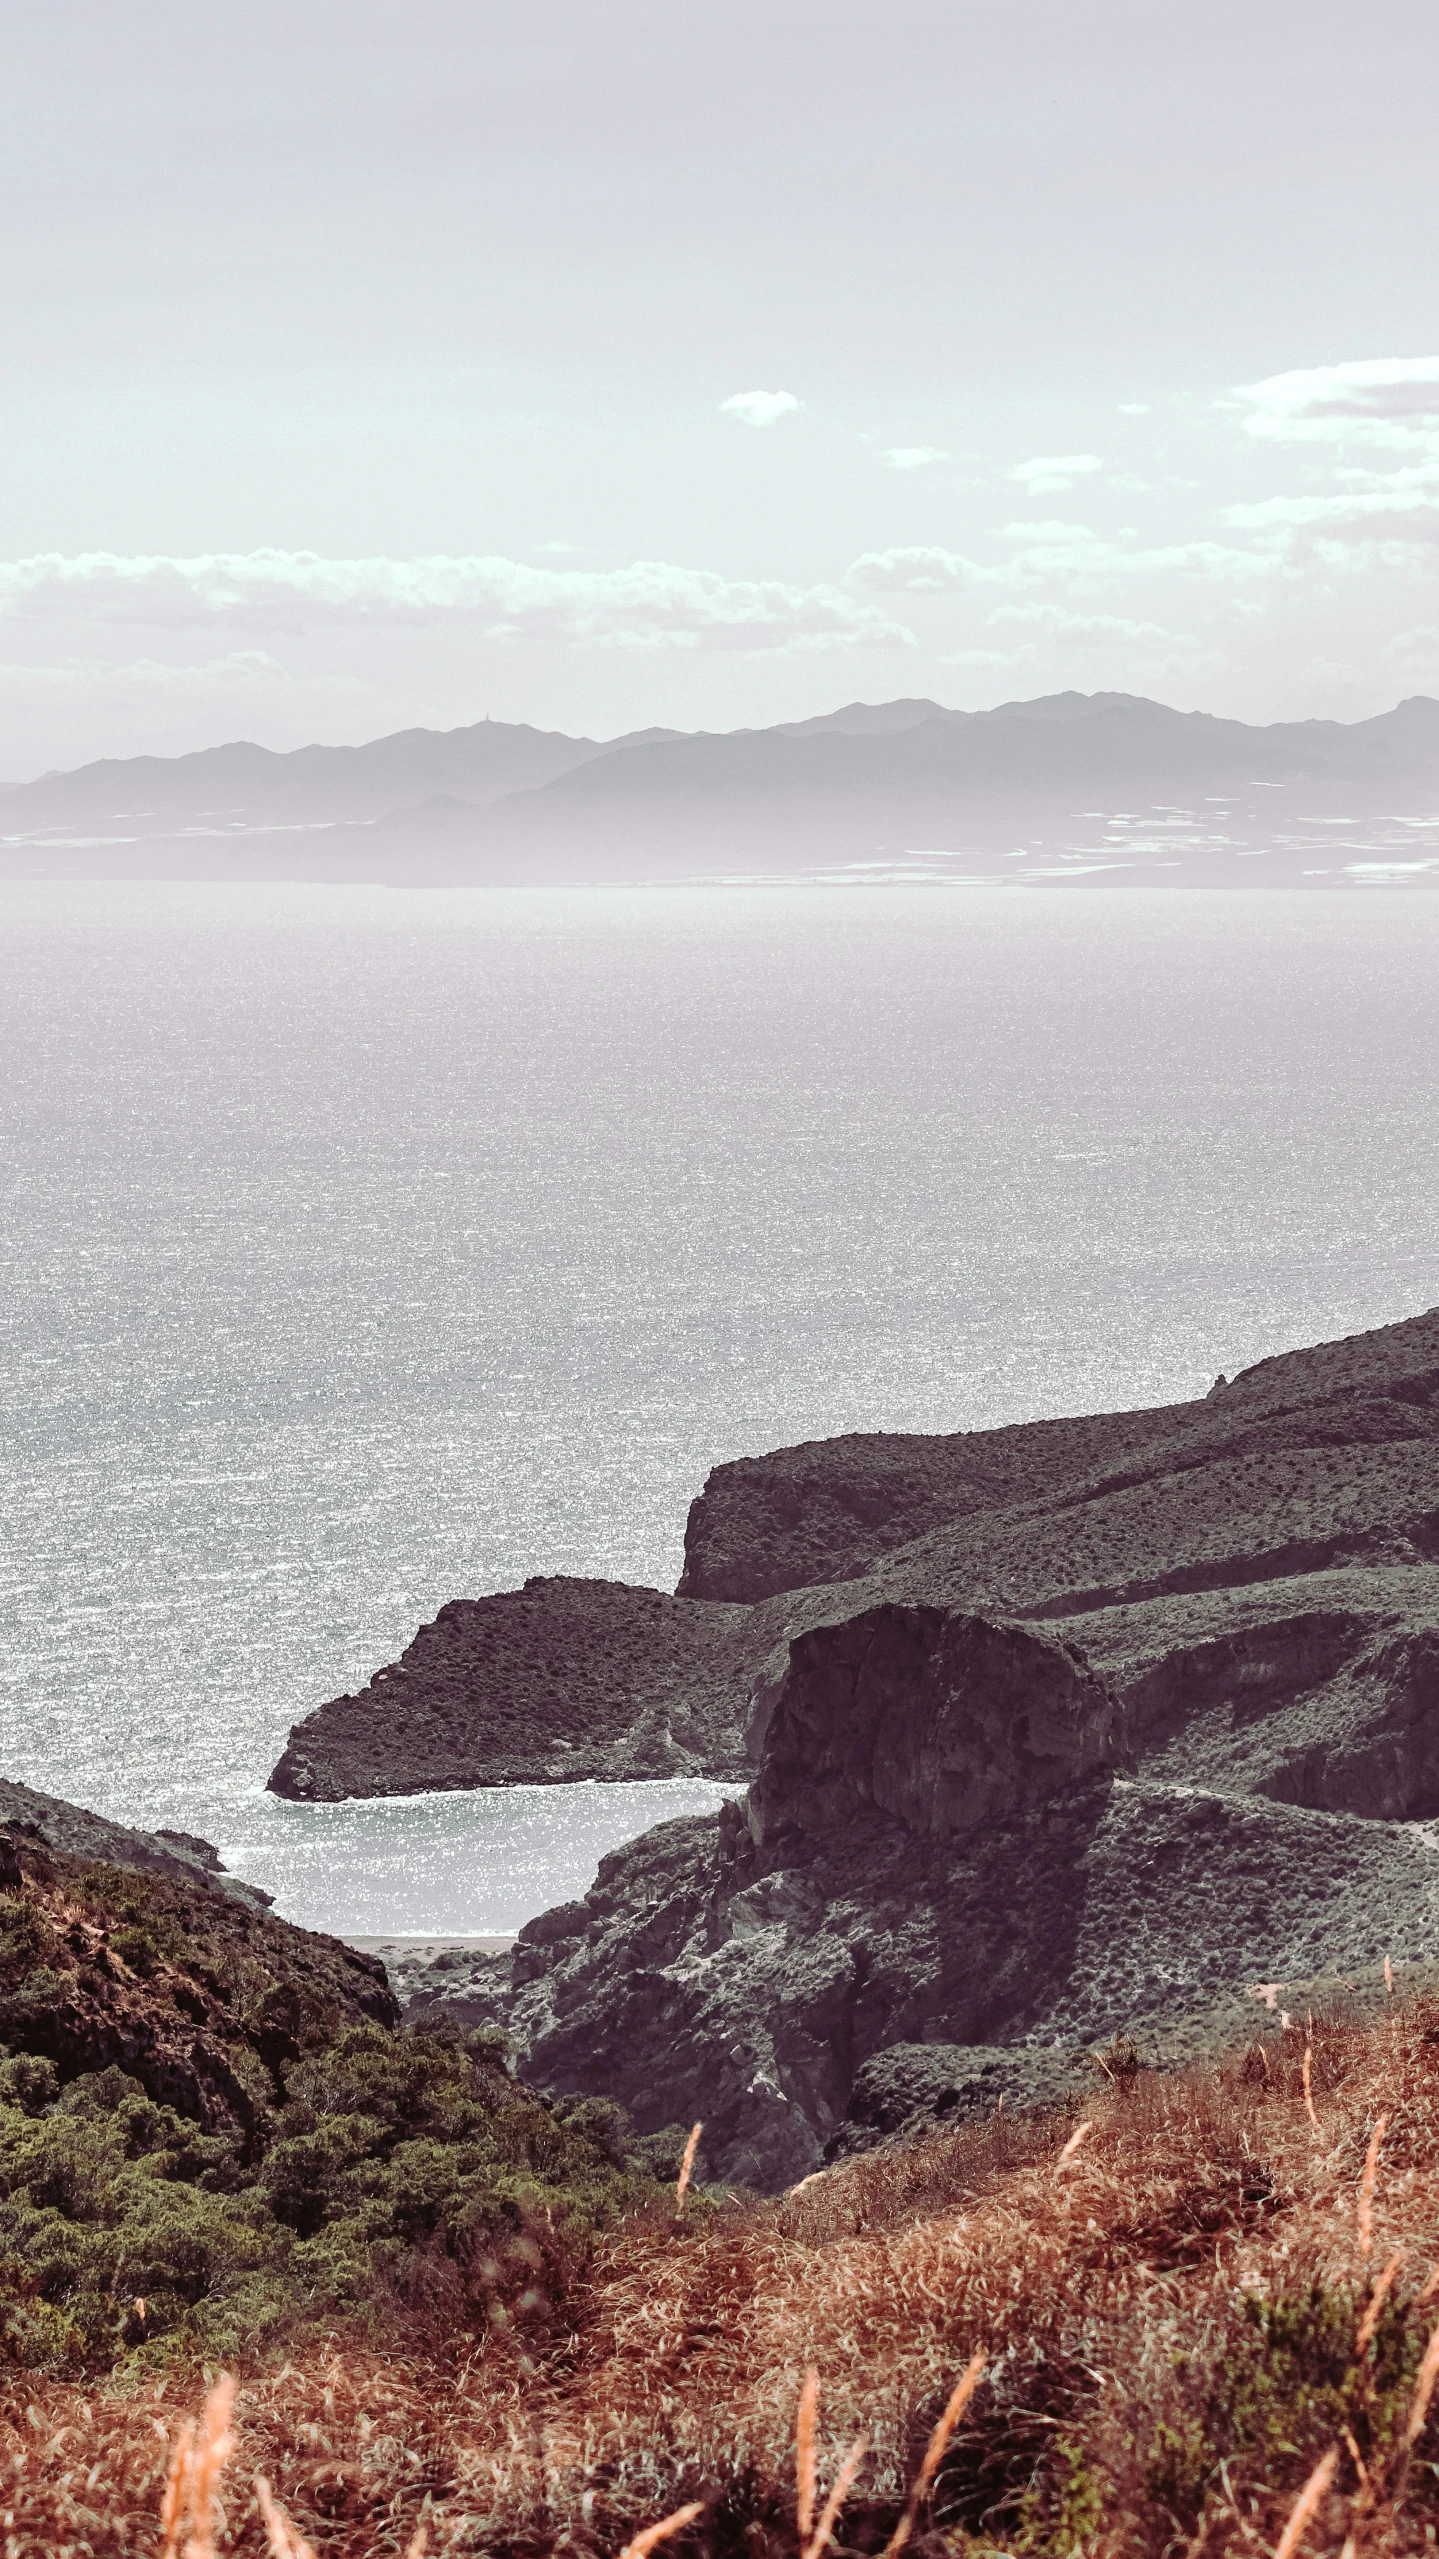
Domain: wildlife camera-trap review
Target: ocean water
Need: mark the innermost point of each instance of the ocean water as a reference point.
(362, 1248)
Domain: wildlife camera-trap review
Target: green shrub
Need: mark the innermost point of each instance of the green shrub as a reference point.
(398, 2168)
(1286, 2388)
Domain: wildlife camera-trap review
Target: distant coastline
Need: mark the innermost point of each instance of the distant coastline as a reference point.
(1101, 789)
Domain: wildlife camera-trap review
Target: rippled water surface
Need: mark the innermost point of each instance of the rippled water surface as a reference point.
(362, 1248)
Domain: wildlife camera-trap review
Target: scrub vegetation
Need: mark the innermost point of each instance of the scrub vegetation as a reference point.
(213, 2137)
(1195, 2313)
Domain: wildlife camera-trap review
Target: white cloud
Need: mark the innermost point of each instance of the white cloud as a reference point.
(1056, 549)
(759, 408)
(1046, 471)
(1409, 495)
(1134, 408)
(912, 457)
(650, 605)
(918, 571)
(1385, 400)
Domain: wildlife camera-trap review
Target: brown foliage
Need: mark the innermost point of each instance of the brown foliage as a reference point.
(1185, 2349)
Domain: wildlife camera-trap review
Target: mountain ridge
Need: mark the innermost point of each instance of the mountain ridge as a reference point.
(1109, 785)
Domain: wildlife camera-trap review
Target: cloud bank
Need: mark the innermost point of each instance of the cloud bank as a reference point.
(1383, 400)
(650, 605)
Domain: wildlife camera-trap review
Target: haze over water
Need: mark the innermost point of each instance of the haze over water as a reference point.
(363, 1249)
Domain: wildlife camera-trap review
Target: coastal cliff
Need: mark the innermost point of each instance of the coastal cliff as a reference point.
(1284, 1527)
(1151, 1715)
(877, 1934)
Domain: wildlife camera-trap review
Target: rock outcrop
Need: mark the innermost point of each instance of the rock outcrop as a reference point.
(758, 1983)
(941, 1722)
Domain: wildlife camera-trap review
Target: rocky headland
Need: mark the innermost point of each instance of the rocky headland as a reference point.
(1278, 1536)
(1056, 1733)
(561, 1681)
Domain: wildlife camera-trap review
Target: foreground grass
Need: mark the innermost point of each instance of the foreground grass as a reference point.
(1204, 2310)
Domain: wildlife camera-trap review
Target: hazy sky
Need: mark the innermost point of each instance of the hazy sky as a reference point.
(595, 362)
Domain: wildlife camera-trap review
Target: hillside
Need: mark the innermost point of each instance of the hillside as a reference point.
(1184, 2314)
(213, 2137)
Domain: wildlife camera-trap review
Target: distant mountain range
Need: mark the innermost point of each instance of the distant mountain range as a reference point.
(1096, 787)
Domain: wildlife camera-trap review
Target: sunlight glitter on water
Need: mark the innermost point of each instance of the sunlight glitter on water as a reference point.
(471, 1864)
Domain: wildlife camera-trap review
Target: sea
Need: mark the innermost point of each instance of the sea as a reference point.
(364, 1248)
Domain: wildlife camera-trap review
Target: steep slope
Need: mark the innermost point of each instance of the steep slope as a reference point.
(197, 1998)
(212, 2136)
(74, 1832)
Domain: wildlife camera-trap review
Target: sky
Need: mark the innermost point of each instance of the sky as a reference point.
(606, 362)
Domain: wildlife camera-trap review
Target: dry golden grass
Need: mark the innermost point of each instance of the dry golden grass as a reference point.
(1165, 2337)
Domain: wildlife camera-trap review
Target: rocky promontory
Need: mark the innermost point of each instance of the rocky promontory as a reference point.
(1158, 1539)
(563, 1680)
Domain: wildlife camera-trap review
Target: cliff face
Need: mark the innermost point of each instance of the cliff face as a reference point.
(940, 1722)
